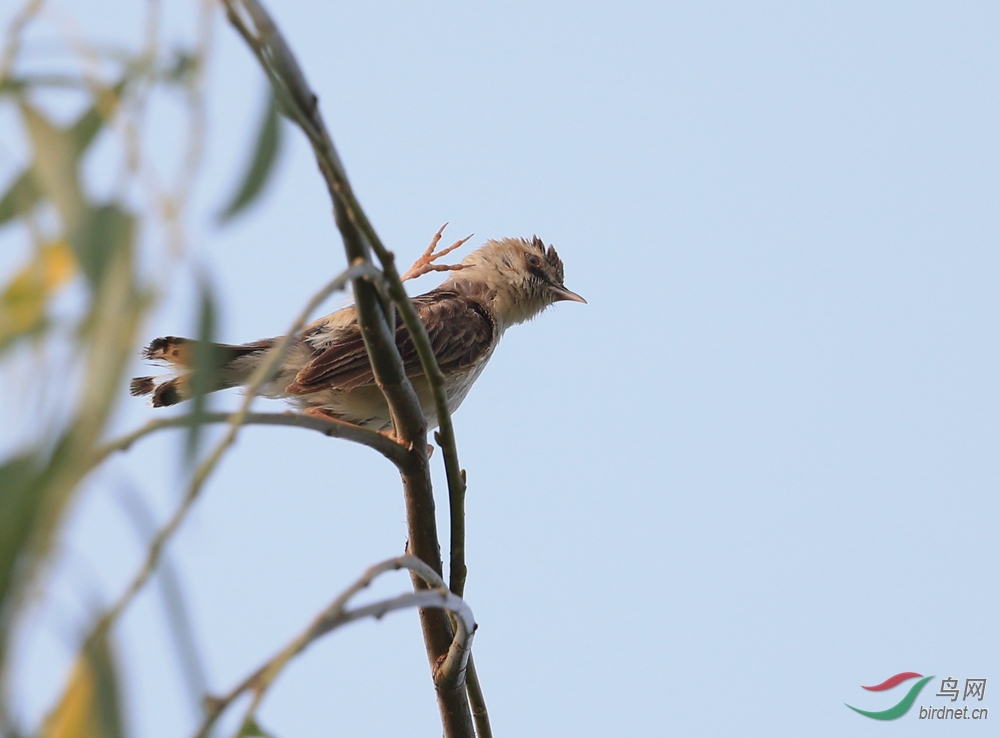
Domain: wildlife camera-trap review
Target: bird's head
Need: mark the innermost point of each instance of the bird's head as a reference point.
(517, 276)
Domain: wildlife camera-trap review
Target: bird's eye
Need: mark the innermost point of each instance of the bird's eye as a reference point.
(534, 261)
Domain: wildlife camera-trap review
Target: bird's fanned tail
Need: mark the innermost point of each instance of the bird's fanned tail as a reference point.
(231, 367)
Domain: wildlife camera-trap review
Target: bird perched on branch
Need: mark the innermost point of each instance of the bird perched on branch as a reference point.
(326, 371)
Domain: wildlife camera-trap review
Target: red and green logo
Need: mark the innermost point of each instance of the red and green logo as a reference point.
(900, 708)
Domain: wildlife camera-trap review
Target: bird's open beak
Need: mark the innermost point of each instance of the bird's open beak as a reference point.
(564, 294)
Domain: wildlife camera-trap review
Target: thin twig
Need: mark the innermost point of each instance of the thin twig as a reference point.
(327, 426)
(205, 468)
(480, 715)
(12, 44)
(445, 435)
(254, 23)
(192, 667)
(336, 615)
(285, 73)
(197, 117)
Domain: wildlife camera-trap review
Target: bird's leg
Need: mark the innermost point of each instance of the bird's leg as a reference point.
(318, 412)
(425, 263)
(323, 414)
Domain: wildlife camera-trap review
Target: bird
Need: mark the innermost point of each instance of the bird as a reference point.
(326, 371)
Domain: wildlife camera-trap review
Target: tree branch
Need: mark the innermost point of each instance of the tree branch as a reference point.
(258, 29)
(327, 426)
(478, 701)
(205, 468)
(336, 615)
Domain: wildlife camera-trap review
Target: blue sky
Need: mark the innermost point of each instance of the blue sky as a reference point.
(755, 472)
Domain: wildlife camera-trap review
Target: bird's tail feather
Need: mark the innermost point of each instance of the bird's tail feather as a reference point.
(231, 366)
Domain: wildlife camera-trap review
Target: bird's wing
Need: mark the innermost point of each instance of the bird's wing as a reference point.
(460, 332)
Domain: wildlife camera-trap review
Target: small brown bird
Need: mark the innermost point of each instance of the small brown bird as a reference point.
(327, 371)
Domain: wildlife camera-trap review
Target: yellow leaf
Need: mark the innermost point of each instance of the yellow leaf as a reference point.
(58, 264)
(73, 715)
(22, 304)
(89, 708)
(51, 268)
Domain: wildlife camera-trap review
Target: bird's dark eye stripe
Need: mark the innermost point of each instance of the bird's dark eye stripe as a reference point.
(538, 271)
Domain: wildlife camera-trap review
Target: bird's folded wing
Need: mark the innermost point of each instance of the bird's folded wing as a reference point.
(460, 331)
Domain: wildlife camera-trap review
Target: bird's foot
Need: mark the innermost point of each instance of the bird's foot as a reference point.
(426, 262)
(408, 446)
(318, 412)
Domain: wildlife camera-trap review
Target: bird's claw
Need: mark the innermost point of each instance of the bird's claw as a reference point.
(426, 264)
(408, 446)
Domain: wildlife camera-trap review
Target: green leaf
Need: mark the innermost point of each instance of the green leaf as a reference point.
(35, 493)
(102, 232)
(11, 86)
(20, 197)
(184, 68)
(87, 126)
(205, 374)
(262, 166)
(251, 729)
(20, 503)
(105, 251)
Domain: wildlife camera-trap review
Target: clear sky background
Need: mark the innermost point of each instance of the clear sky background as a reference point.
(757, 471)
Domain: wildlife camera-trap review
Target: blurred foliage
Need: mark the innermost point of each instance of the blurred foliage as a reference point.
(206, 369)
(261, 167)
(91, 705)
(251, 729)
(73, 238)
(24, 300)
